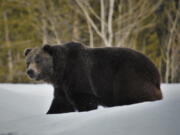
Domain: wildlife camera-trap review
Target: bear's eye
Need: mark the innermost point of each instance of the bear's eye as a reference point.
(38, 60)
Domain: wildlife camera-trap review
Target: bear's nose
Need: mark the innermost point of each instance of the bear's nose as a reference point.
(30, 72)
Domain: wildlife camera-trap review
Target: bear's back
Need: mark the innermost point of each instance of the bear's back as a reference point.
(116, 58)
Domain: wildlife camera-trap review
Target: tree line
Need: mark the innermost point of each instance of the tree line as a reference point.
(149, 26)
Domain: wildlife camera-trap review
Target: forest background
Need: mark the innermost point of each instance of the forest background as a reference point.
(149, 26)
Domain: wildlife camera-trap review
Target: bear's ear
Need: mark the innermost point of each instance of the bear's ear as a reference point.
(48, 49)
(26, 51)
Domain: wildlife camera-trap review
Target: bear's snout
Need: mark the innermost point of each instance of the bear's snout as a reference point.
(30, 73)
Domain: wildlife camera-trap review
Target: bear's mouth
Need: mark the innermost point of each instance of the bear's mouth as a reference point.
(38, 77)
(34, 77)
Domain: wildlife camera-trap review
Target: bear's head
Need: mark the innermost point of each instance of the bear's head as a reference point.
(39, 63)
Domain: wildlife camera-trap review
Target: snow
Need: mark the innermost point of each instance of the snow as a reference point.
(23, 108)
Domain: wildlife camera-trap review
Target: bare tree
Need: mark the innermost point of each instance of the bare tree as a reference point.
(44, 32)
(110, 22)
(117, 29)
(49, 17)
(91, 35)
(171, 52)
(130, 18)
(8, 45)
(105, 32)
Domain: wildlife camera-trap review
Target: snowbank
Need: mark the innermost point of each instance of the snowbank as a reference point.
(23, 108)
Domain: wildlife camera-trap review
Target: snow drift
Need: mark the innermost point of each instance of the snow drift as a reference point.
(23, 108)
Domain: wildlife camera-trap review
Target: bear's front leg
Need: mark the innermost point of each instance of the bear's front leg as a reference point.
(60, 106)
(85, 102)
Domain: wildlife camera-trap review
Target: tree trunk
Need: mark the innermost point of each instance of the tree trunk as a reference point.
(103, 18)
(44, 32)
(58, 41)
(8, 45)
(91, 36)
(169, 53)
(168, 65)
(110, 22)
(75, 29)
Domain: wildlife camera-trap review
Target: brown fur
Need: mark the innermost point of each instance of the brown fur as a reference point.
(84, 78)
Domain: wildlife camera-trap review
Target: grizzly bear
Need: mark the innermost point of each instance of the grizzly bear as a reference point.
(84, 78)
